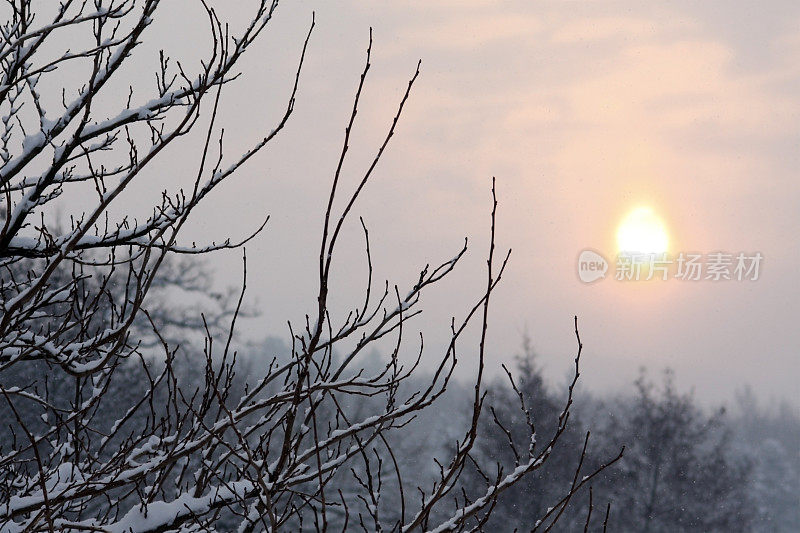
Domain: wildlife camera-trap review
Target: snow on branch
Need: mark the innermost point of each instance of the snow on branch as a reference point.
(121, 420)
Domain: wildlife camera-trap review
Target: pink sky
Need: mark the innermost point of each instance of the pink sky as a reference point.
(582, 112)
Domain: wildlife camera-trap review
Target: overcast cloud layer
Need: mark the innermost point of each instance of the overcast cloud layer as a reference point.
(582, 112)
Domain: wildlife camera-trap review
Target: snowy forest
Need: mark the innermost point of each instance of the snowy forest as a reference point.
(132, 403)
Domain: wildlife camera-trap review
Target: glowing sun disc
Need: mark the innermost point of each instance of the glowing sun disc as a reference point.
(642, 232)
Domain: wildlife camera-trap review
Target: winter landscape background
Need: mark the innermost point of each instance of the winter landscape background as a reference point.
(316, 266)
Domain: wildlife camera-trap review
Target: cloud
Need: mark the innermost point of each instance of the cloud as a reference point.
(468, 32)
(591, 29)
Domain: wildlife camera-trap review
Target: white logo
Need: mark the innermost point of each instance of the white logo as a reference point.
(591, 266)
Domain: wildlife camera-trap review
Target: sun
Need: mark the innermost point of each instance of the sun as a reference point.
(641, 231)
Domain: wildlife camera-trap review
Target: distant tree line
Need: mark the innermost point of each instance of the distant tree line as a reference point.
(684, 469)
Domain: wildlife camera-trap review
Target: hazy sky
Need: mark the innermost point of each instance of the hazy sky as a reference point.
(583, 111)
